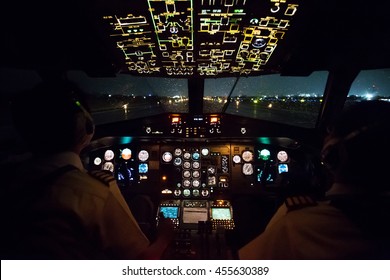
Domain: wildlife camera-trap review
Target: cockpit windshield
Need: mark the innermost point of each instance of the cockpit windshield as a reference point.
(128, 97)
(289, 100)
(370, 85)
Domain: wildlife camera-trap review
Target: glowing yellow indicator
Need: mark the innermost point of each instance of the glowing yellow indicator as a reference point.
(175, 119)
(213, 119)
(227, 41)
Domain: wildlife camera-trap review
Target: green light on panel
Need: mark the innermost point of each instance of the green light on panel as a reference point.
(238, 10)
(264, 140)
(265, 154)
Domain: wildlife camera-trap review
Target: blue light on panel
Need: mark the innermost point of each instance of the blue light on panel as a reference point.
(125, 140)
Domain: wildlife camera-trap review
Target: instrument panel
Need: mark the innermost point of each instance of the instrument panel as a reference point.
(210, 188)
(205, 38)
(196, 183)
(196, 214)
(209, 169)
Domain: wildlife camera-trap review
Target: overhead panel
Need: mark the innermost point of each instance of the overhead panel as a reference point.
(202, 38)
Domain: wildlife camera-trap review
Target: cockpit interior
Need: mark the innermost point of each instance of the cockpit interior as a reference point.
(209, 112)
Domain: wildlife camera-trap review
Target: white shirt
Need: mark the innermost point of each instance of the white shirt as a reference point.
(102, 209)
(313, 232)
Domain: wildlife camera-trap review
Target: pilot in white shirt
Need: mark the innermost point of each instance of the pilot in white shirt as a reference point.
(352, 222)
(67, 213)
(94, 199)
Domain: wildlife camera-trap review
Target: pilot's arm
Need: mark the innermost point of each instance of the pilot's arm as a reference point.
(122, 234)
(282, 237)
(120, 231)
(272, 243)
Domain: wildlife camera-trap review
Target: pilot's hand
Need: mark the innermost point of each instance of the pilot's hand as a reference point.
(165, 229)
(165, 234)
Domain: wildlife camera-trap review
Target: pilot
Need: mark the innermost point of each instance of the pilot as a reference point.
(57, 210)
(351, 222)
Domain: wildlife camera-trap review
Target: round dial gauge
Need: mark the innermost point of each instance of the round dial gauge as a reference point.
(97, 161)
(177, 152)
(195, 192)
(205, 152)
(205, 192)
(108, 166)
(186, 174)
(195, 156)
(265, 154)
(282, 156)
(126, 154)
(195, 164)
(186, 183)
(108, 155)
(186, 164)
(195, 174)
(167, 157)
(195, 183)
(247, 156)
(177, 161)
(143, 155)
(143, 168)
(186, 192)
(247, 169)
(187, 155)
(236, 159)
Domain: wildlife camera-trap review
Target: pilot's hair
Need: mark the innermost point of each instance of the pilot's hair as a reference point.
(52, 117)
(359, 151)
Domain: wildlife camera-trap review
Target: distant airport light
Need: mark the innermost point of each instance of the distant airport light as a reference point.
(369, 96)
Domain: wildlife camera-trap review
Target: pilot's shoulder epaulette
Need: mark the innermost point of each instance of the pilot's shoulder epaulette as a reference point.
(298, 202)
(103, 176)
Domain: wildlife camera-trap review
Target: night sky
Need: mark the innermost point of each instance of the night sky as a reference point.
(370, 81)
(367, 84)
(375, 82)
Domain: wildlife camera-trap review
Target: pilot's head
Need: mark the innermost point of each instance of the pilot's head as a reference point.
(356, 150)
(52, 117)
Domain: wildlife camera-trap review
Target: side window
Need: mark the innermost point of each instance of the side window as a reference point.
(370, 85)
